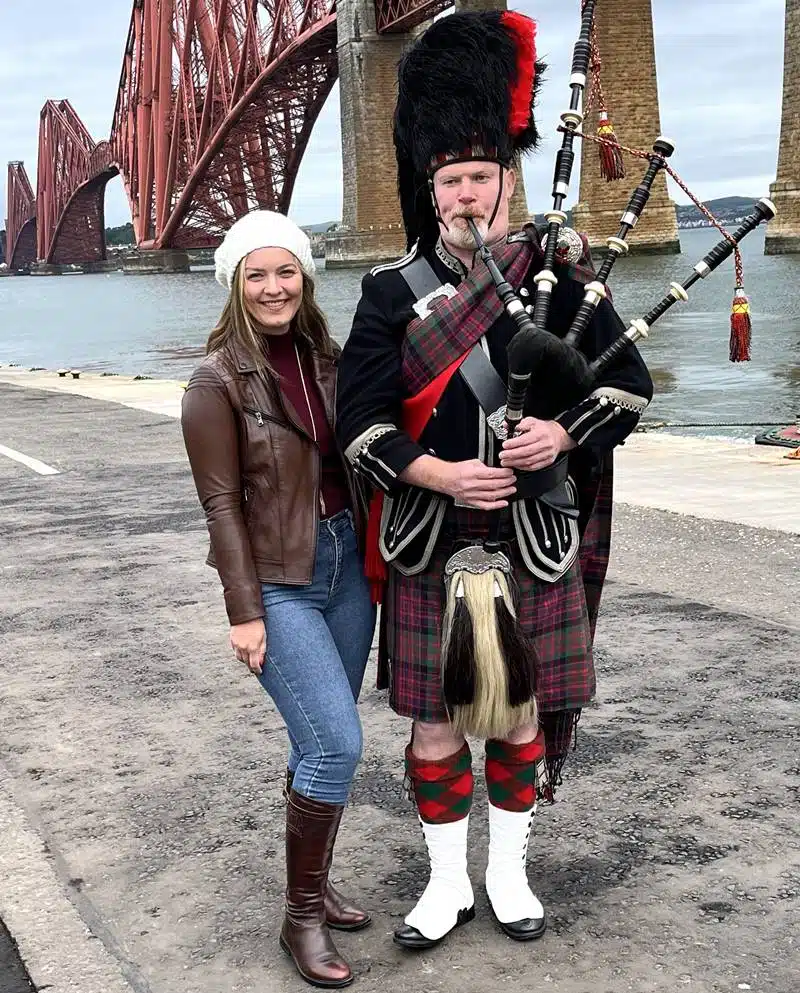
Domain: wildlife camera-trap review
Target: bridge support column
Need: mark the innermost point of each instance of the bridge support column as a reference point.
(156, 261)
(107, 265)
(373, 228)
(783, 233)
(625, 38)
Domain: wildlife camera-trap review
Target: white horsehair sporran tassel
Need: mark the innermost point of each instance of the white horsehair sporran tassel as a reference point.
(487, 663)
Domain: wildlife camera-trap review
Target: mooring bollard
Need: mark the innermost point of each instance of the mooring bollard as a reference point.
(75, 373)
(63, 372)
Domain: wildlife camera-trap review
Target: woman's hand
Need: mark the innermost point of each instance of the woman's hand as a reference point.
(249, 644)
(536, 445)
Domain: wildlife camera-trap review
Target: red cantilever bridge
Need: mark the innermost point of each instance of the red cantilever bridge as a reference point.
(216, 103)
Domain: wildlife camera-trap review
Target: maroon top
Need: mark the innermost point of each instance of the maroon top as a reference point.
(283, 359)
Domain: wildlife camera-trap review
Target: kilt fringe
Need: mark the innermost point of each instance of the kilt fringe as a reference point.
(560, 731)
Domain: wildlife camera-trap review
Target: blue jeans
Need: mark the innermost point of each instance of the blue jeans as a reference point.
(318, 642)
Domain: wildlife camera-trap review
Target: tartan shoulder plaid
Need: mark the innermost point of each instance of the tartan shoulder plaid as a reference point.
(455, 324)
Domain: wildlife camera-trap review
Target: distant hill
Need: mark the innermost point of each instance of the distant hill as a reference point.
(123, 235)
(727, 210)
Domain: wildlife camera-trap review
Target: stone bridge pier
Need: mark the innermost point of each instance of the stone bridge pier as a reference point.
(783, 233)
(373, 228)
(627, 47)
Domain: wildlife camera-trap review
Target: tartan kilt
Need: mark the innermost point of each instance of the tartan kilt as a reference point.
(595, 498)
(553, 615)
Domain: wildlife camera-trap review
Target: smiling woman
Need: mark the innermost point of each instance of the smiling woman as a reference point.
(273, 288)
(271, 292)
(285, 517)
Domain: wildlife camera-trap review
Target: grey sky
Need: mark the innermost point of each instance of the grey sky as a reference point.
(719, 63)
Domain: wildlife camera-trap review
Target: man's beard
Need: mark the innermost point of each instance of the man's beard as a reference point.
(460, 236)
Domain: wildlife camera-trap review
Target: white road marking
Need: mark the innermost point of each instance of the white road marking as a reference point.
(35, 464)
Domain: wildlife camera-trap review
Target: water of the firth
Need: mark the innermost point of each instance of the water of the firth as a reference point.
(157, 325)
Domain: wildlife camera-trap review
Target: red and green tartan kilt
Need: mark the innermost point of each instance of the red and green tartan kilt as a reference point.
(553, 615)
(595, 496)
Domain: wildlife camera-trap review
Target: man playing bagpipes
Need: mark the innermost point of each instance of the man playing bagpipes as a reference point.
(487, 552)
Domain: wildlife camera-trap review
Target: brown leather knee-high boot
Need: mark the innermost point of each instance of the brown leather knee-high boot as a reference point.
(311, 829)
(340, 913)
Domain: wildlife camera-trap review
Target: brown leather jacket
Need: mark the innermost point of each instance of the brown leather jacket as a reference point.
(257, 473)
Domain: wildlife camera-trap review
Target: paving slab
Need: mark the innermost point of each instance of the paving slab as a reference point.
(142, 767)
(161, 396)
(738, 482)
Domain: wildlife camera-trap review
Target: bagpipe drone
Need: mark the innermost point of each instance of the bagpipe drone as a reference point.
(533, 344)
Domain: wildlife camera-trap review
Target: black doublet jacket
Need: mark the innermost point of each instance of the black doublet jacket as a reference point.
(371, 390)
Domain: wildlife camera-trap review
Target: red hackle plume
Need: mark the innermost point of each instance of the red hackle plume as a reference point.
(521, 90)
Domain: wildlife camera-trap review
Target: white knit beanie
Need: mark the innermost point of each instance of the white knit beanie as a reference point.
(261, 229)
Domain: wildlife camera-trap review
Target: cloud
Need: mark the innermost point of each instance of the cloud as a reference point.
(52, 50)
(720, 83)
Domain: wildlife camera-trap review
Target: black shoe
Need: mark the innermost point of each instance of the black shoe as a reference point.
(410, 937)
(527, 929)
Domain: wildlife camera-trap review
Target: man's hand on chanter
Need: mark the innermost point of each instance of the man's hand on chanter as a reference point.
(471, 483)
(479, 485)
(536, 445)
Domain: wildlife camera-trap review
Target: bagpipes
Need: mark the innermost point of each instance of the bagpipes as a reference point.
(488, 666)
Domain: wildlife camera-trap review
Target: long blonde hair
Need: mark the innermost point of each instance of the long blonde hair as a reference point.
(236, 324)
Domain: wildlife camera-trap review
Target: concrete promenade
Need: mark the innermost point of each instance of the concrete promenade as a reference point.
(141, 818)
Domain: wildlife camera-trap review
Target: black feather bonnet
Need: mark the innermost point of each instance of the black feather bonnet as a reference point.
(466, 91)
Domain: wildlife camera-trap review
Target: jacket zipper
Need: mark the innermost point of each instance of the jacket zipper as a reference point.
(317, 505)
(260, 420)
(358, 516)
(256, 413)
(313, 428)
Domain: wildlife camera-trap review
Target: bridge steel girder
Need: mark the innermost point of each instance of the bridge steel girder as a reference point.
(20, 218)
(216, 102)
(396, 16)
(72, 169)
(80, 235)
